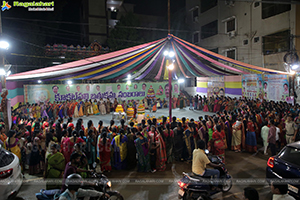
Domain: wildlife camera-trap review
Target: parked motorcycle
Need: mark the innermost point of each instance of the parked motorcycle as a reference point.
(200, 188)
(102, 184)
(97, 181)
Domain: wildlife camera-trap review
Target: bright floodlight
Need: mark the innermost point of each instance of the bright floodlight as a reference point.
(292, 72)
(171, 54)
(128, 82)
(166, 53)
(69, 82)
(296, 66)
(171, 67)
(2, 72)
(39, 81)
(181, 80)
(4, 45)
(129, 76)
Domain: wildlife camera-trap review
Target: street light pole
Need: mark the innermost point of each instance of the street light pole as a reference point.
(170, 95)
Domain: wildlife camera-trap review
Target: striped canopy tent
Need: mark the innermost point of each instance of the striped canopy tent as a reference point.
(147, 62)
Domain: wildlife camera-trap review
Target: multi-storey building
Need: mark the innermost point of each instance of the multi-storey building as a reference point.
(261, 34)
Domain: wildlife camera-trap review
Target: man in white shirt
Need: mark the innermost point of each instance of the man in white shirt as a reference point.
(279, 191)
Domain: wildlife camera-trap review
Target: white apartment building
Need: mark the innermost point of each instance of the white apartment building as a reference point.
(257, 33)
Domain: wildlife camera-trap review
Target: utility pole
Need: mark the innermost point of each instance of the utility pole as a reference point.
(169, 17)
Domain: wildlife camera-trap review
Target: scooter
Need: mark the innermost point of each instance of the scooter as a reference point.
(98, 181)
(200, 188)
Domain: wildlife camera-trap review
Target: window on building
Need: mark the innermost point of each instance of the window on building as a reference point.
(245, 42)
(269, 9)
(256, 4)
(230, 25)
(195, 14)
(231, 53)
(196, 37)
(209, 29)
(277, 42)
(208, 4)
(256, 39)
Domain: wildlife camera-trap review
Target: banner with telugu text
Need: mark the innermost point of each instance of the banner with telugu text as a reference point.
(121, 91)
(269, 87)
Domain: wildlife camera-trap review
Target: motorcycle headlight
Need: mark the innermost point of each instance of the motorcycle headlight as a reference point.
(109, 184)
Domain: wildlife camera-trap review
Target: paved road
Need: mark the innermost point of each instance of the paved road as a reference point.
(243, 167)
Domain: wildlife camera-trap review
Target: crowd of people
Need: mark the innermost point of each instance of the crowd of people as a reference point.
(45, 144)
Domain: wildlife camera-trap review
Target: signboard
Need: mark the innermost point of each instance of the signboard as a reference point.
(269, 87)
(121, 91)
(252, 86)
(276, 87)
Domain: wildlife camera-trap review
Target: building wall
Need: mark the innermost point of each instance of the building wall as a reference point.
(97, 19)
(249, 25)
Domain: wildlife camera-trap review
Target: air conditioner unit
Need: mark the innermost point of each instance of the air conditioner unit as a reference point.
(196, 19)
(232, 34)
(229, 2)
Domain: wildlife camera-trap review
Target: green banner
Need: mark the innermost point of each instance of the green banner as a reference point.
(121, 91)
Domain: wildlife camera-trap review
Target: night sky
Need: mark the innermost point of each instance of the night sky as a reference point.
(29, 32)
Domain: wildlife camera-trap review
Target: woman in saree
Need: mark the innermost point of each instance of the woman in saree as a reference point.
(60, 111)
(55, 110)
(76, 110)
(169, 138)
(38, 110)
(228, 131)
(216, 137)
(178, 141)
(91, 141)
(83, 164)
(237, 135)
(95, 108)
(181, 102)
(33, 110)
(161, 154)
(104, 150)
(80, 109)
(11, 144)
(251, 144)
(49, 110)
(90, 126)
(189, 142)
(142, 148)
(215, 109)
(131, 149)
(174, 102)
(90, 107)
(102, 107)
(205, 106)
(65, 144)
(54, 168)
(202, 132)
(119, 147)
(108, 105)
